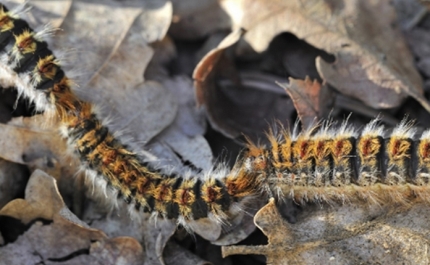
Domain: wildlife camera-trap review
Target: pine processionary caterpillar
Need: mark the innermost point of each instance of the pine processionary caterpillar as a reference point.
(30, 66)
(322, 164)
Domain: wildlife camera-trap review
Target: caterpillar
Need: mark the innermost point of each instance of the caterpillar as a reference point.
(320, 164)
(27, 64)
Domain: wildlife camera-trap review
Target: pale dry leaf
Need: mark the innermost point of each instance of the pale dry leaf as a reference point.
(275, 228)
(52, 242)
(87, 51)
(195, 19)
(49, 13)
(152, 234)
(372, 63)
(25, 144)
(131, 51)
(183, 142)
(178, 152)
(142, 112)
(155, 20)
(119, 250)
(157, 235)
(312, 100)
(207, 229)
(176, 255)
(190, 119)
(46, 231)
(344, 234)
(35, 142)
(42, 200)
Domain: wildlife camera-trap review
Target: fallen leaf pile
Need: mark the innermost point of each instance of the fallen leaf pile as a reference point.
(183, 82)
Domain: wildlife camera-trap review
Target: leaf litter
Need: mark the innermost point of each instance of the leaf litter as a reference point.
(372, 63)
(136, 70)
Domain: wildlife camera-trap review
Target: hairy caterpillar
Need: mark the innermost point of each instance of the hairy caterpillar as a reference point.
(316, 165)
(30, 66)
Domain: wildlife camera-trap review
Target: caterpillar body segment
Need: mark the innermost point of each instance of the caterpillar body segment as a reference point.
(28, 64)
(343, 164)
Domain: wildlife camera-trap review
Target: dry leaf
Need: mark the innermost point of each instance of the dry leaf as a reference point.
(190, 119)
(241, 226)
(119, 250)
(312, 100)
(275, 228)
(164, 52)
(233, 108)
(49, 232)
(176, 255)
(196, 19)
(35, 142)
(91, 52)
(152, 234)
(348, 234)
(183, 142)
(50, 13)
(374, 66)
(42, 200)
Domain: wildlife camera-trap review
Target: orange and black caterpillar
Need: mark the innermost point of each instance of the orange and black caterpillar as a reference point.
(341, 164)
(31, 67)
(316, 165)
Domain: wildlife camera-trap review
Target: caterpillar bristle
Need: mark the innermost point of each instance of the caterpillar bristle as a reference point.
(320, 164)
